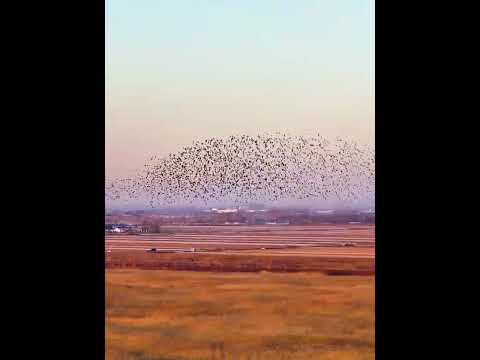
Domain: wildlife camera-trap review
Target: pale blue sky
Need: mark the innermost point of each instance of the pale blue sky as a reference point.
(177, 70)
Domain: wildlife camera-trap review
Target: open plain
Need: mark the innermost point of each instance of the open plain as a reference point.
(244, 293)
(180, 315)
(327, 248)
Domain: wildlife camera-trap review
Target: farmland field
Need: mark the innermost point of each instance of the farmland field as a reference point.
(183, 315)
(247, 248)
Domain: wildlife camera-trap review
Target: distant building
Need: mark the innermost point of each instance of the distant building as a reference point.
(123, 228)
(224, 211)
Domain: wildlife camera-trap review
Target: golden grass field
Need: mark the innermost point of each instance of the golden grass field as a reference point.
(180, 315)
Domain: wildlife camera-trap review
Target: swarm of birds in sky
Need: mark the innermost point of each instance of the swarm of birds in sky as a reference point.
(242, 168)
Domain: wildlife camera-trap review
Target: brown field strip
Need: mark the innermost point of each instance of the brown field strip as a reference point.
(226, 262)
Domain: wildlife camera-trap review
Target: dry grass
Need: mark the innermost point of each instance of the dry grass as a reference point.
(180, 315)
(235, 262)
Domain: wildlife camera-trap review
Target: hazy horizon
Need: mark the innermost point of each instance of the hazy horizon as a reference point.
(297, 204)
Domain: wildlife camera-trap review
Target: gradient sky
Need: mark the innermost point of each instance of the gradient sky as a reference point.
(179, 70)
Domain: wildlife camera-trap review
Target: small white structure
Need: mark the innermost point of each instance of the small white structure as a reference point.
(224, 211)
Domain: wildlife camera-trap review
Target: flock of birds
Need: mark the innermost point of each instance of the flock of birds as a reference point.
(244, 168)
